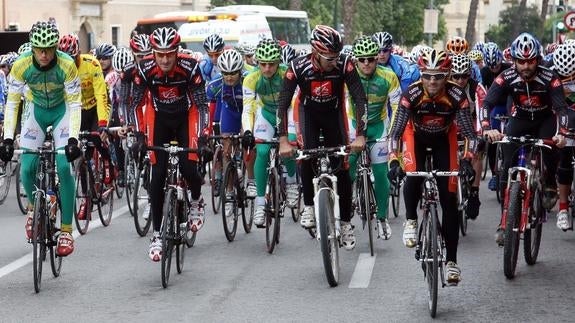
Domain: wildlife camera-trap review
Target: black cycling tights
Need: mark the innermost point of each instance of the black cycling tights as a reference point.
(168, 127)
(413, 188)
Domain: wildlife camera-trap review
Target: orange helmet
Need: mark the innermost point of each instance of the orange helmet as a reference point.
(457, 45)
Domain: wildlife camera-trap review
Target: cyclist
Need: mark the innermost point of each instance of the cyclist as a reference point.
(288, 53)
(459, 45)
(426, 118)
(538, 101)
(321, 77)
(178, 110)
(476, 56)
(46, 67)
(248, 50)
(226, 90)
(261, 92)
(475, 92)
(104, 53)
(494, 65)
(95, 108)
(405, 72)
(214, 46)
(382, 88)
(564, 65)
(140, 46)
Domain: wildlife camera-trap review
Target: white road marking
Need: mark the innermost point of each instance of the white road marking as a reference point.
(362, 272)
(26, 259)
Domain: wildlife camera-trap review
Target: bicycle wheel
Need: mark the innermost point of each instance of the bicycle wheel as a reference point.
(141, 201)
(230, 201)
(53, 234)
(432, 265)
(249, 205)
(532, 234)
(463, 213)
(498, 166)
(84, 204)
(105, 192)
(5, 178)
(21, 196)
(272, 209)
(363, 195)
(395, 198)
(181, 230)
(512, 234)
(168, 233)
(130, 170)
(329, 242)
(296, 211)
(38, 239)
(485, 160)
(216, 190)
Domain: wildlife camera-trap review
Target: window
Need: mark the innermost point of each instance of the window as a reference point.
(115, 35)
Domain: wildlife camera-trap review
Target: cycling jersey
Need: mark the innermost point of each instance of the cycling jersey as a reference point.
(487, 76)
(229, 99)
(406, 73)
(94, 92)
(208, 69)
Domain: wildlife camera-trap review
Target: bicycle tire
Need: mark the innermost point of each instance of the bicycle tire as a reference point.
(104, 192)
(249, 206)
(86, 197)
(463, 213)
(498, 166)
(272, 210)
(216, 199)
(433, 251)
(140, 199)
(296, 211)
(38, 239)
(167, 235)
(532, 234)
(329, 243)
(395, 198)
(21, 196)
(485, 160)
(180, 240)
(130, 170)
(230, 221)
(54, 233)
(512, 234)
(5, 180)
(364, 195)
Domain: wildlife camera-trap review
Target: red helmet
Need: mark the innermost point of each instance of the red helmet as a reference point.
(140, 44)
(69, 44)
(165, 39)
(437, 60)
(325, 39)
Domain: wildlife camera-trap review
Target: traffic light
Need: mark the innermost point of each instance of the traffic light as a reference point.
(561, 6)
(341, 30)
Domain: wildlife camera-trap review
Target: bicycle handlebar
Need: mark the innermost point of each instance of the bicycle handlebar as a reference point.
(171, 149)
(523, 140)
(39, 151)
(314, 152)
(433, 173)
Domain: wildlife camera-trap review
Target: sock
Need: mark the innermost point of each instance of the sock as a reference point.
(563, 206)
(260, 201)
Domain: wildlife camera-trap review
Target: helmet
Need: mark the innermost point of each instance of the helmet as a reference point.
(434, 60)
(475, 55)
(44, 34)
(288, 53)
(414, 54)
(525, 46)
(140, 44)
(563, 60)
(493, 55)
(230, 61)
(121, 57)
(165, 39)
(303, 52)
(325, 39)
(480, 46)
(461, 64)
(383, 39)
(507, 54)
(9, 58)
(457, 45)
(69, 44)
(246, 49)
(105, 50)
(397, 50)
(569, 42)
(347, 50)
(365, 47)
(214, 43)
(268, 50)
(24, 47)
(551, 47)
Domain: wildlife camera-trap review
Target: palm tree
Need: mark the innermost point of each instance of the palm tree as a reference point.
(470, 30)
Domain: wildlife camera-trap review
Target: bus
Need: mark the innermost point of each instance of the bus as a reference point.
(236, 24)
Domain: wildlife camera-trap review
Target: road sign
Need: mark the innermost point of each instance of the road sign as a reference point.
(430, 21)
(569, 20)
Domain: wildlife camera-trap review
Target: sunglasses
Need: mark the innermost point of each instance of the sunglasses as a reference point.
(329, 59)
(366, 60)
(214, 54)
(249, 55)
(530, 61)
(460, 76)
(230, 73)
(437, 76)
(385, 50)
(264, 64)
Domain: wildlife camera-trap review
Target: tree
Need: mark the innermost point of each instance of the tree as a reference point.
(510, 26)
(348, 14)
(294, 4)
(544, 8)
(471, 18)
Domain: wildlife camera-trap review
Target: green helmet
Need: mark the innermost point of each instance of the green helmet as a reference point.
(44, 34)
(24, 47)
(268, 50)
(365, 47)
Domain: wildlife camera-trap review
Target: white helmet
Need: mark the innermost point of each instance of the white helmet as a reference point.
(121, 57)
(230, 61)
(563, 60)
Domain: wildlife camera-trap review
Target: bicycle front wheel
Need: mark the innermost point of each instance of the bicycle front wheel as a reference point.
(38, 239)
(532, 234)
(463, 213)
(83, 205)
(141, 201)
(130, 171)
(230, 197)
(248, 204)
(396, 197)
(485, 160)
(432, 259)
(329, 242)
(21, 196)
(272, 210)
(182, 229)
(54, 233)
(216, 190)
(105, 193)
(5, 178)
(168, 233)
(512, 234)
(364, 198)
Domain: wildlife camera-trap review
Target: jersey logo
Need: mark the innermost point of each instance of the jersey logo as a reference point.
(530, 101)
(167, 93)
(321, 88)
(31, 134)
(432, 121)
(555, 83)
(407, 159)
(499, 80)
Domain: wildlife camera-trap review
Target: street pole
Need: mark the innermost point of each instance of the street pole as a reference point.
(430, 35)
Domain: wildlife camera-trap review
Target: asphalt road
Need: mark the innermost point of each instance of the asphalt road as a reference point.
(110, 278)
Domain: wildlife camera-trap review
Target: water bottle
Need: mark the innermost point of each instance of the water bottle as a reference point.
(51, 202)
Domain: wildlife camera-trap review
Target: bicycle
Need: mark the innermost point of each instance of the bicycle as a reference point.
(430, 246)
(464, 192)
(326, 204)
(233, 190)
(91, 188)
(570, 135)
(499, 154)
(46, 216)
(366, 205)
(216, 183)
(523, 213)
(174, 232)
(130, 169)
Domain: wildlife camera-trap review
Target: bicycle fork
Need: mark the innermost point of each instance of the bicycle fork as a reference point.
(335, 197)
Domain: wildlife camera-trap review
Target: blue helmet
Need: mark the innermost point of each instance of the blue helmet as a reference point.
(525, 46)
(492, 55)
